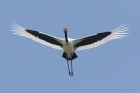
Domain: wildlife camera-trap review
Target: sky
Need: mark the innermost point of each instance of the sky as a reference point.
(30, 67)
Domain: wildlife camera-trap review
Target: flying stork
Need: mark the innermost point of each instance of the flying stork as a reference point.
(69, 45)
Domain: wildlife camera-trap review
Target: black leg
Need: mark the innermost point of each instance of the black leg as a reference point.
(71, 68)
(68, 68)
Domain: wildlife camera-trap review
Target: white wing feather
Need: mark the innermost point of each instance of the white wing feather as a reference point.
(20, 31)
(117, 33)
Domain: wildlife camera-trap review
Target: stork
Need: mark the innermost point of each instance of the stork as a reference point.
(69, 45)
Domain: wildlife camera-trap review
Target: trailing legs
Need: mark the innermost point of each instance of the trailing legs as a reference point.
(70, 71)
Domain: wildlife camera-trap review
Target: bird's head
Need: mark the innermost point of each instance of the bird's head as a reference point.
(65, 30)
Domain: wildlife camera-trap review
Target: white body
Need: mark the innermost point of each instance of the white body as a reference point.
(68, 47)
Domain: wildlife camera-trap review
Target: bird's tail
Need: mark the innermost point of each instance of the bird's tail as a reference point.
(73, 56)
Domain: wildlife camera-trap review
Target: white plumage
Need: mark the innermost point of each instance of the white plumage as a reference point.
(21, 31)
(70, 45)
(117, 33)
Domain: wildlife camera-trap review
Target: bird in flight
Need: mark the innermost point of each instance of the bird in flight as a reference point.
(69, 45)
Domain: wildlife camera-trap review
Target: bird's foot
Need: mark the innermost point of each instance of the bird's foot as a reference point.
(71, 74)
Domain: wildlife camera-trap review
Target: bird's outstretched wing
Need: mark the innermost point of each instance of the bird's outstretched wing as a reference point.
(99, 38)
(40, 37)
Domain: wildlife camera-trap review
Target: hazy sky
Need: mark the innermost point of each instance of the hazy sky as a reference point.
(30, 67)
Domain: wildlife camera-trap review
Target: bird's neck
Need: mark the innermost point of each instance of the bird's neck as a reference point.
(66, 37)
